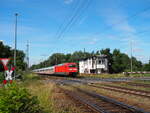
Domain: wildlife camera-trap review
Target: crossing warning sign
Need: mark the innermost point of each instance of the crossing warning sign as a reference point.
(5, 62)
(8, 73)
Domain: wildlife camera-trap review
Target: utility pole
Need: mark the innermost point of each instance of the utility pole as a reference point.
(16, 15)
(56, 59)
(131, 57)
(27, 55)
(84, 53)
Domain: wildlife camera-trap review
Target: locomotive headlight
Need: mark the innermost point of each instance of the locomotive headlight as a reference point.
(73, 69)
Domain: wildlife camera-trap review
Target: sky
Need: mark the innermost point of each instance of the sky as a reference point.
(66, 26)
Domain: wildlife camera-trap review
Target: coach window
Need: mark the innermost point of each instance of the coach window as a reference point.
(72, 65)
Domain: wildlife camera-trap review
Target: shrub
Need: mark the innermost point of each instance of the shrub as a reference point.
(16, 99)
(1, 77)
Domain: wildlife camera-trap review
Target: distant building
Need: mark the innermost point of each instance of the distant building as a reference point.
(94, 64)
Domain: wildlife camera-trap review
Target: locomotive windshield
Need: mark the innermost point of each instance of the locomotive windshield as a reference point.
(72, 65)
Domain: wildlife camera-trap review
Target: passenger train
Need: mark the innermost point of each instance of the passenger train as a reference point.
(69, 69)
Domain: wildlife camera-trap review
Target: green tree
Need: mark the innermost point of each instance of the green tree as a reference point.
(137, 65)
(57, 58)
(117, 61)
(7, 52)
(146, 67)
(68, 58)
(120, 61)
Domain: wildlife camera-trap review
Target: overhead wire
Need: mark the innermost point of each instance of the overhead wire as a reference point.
(138, 33)
(128, 18)
(77, 18)
(82, 5)
(64, 25)
(65, 19)
(75, 5)
(78, 12)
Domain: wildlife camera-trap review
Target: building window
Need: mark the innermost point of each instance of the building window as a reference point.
(89, 61)
(103, 61)
(99, 62)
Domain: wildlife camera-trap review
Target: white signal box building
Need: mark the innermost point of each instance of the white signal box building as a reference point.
(94, 65)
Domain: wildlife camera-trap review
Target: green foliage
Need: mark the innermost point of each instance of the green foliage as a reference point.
(15, 99)
(117, 62)
(121, 62)
(1, 77)
(31, 76)
(146, 67)
(7, 52)
(58, 58)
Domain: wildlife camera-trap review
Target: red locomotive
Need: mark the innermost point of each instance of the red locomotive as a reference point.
(69, 69)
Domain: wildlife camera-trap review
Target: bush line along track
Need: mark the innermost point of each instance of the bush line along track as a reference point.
(105, 104)
(124, 90)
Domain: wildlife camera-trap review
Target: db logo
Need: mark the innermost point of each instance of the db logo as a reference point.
(8, 73)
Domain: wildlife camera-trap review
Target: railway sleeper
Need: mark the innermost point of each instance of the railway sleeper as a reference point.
(132, 109)
(123, 91)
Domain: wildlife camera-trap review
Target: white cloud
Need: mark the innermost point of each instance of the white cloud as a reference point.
(145, 15)
(137, 50)
(93, 41)
(68, 1)
(117, 20)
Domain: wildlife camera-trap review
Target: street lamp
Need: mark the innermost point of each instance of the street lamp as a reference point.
(131, 62)
(16, 15)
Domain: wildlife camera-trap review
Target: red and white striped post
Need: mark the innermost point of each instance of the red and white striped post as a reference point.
(8, 73)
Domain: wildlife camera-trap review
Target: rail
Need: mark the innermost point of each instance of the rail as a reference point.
(125, 90)
(106, 104)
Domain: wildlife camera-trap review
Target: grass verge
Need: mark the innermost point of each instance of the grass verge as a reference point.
(112, 75)
(51, 99)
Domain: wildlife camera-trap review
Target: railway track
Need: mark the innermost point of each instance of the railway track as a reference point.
(99, 103)
(96, 103)
(124, 90)
(133, 84)
(89, 105)
(104, 86)
(138, 84)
